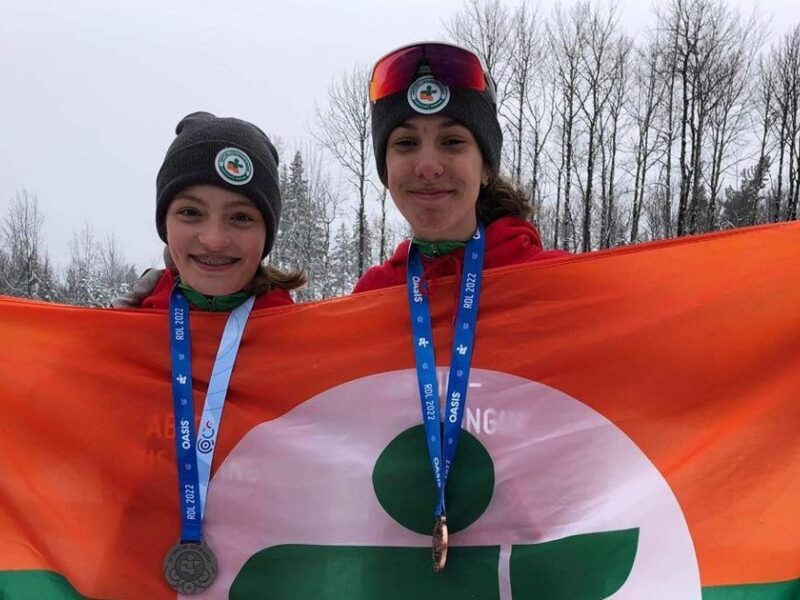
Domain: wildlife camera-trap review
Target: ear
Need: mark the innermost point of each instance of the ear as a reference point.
(168, 262)
(485, 175)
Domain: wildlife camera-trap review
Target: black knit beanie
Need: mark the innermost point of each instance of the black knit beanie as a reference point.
(474, 110)
(226, 152)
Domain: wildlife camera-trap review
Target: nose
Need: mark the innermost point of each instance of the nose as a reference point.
(215, 235)
(429, 164)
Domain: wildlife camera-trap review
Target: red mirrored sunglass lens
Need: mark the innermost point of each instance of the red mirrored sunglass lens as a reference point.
(456, 67)
(451, 65)
(393, 72)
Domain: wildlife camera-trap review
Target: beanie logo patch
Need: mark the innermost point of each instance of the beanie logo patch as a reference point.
(427, 95)
(234, 166)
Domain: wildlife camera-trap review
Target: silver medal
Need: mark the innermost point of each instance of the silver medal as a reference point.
(190, 568)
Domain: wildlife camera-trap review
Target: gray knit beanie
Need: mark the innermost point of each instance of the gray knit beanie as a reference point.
(474, 110)
(226, 152)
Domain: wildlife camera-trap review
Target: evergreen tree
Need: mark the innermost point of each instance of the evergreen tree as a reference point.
(344, 263)
(745, 206)
(301, 238)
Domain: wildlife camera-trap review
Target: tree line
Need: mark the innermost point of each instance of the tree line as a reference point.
(315, 234)
(96, 272)
(689, 127)
(324, 232)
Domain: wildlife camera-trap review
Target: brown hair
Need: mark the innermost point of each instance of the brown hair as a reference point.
(500, 198)
(268, 277)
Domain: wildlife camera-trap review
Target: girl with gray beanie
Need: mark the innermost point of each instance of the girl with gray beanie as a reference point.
(217, 208)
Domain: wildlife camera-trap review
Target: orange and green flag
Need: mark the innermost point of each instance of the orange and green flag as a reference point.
(632, 432)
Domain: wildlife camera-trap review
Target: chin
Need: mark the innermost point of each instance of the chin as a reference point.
(433, 234)
(215, 288)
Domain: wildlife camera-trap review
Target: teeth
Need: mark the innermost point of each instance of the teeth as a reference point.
(214, 261)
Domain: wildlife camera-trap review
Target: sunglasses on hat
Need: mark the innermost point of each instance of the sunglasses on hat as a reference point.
(452, 65)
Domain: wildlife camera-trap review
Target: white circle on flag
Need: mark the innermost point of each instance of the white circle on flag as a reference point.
(561, 469)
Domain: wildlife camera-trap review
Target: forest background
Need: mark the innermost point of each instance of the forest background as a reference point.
(689, 125)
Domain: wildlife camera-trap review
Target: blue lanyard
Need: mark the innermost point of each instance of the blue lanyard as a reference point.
(442, 438)
(193, 457)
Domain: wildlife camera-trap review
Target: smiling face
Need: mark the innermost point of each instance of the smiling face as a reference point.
(435, 169)
(216, 237)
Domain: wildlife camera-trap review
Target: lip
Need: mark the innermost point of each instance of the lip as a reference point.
(430, 195)
(197, 261)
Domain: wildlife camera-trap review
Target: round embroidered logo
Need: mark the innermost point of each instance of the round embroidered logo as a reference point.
(234, 166)
(427, 95)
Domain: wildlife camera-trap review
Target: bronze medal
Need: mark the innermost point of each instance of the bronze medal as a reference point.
(190, 568)
(439, 550)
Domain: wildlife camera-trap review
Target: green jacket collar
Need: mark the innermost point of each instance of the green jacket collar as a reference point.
(436, 249)
(214, 303)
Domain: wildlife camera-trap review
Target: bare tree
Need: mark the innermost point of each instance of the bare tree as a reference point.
(524, 53)
(668, 70)
(731, 110)
(566, 41)
(647, 85)
(765, 103)
(598, 66)
(482, 26)
(343, 128)
(113, 269)
(383, 238)
(26, 270)
(786, 95)
(706, 35)
(792, 85)
(543, 111)
(610, 135)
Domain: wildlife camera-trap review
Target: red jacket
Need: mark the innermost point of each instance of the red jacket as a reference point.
(159, 298)
(509, 241)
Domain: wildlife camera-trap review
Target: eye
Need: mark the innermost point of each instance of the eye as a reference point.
(242, 218)
(453, 141)
(188, 211)
(402, 143)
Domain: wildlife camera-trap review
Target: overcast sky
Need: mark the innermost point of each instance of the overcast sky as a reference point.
(91, 90)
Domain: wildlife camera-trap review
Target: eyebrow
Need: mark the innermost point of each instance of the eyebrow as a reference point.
(184, 196)
(443, 125)
(204, 202)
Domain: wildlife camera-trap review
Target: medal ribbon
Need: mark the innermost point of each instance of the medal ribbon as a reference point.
(194, 452)
(442, 437)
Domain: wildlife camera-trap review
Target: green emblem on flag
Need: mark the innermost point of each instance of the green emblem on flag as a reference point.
(404, 486)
